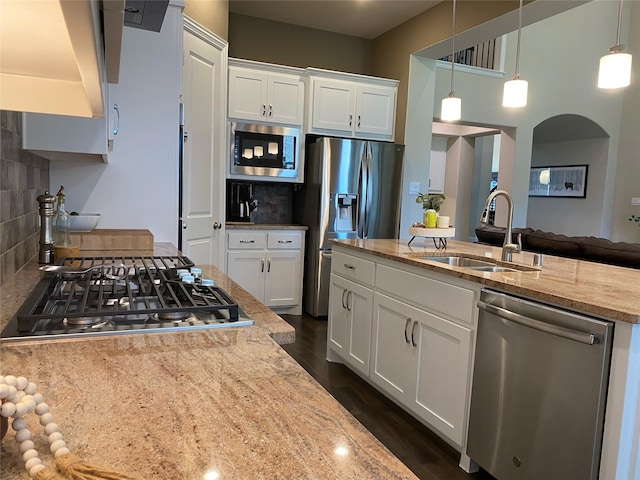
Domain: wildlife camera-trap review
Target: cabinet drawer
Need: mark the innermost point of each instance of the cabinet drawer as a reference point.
(291, 241)
(432, 295)
(356, 268)
(247, 240)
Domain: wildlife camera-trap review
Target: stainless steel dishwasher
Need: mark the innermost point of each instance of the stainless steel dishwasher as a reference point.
(539, 390)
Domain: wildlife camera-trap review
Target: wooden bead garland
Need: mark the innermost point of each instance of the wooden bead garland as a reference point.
(19, 397)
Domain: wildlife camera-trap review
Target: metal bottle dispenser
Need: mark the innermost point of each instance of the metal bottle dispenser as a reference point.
(45, 211)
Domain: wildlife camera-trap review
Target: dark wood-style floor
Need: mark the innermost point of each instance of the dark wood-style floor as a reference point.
(429, 457)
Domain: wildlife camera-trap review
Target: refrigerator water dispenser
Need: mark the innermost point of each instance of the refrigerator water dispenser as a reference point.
(346, 208)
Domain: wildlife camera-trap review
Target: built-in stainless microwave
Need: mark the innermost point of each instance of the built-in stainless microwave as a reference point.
(266, 153)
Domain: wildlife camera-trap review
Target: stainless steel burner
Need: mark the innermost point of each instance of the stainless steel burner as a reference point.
(173, 316)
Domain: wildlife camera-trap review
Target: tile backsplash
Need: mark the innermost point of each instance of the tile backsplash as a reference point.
(23, 176)
(274, 203)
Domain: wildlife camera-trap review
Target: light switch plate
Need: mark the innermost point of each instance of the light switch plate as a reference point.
(414, 188)
(635, 200)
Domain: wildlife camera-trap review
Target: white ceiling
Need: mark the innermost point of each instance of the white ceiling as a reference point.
(360, 18)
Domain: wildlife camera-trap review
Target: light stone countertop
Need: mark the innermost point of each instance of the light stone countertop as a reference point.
(601, 290)
(176, 405)
(263, 226)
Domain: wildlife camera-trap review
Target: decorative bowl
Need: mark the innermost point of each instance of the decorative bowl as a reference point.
(85, 222)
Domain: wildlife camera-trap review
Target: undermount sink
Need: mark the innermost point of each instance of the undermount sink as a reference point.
(477, 265)
(459, 261)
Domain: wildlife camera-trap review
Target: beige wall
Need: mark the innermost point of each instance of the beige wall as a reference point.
(262, 40)
(391, 50)
(211, 14)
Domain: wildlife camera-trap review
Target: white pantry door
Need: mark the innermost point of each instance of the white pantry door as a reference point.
(204, 94)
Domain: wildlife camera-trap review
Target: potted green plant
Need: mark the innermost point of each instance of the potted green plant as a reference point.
(431, 203)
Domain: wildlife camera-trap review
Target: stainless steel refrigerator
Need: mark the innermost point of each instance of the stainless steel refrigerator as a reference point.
(352, 190)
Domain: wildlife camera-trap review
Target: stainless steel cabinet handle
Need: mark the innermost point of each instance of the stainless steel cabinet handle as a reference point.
(116, 129)
(587, 338)
(406, 325)
(285, 241)
(268, 265)
(247, 241)
(350, 294)
(349, 266)
(344, 306)
(262, 265)
(350, 120)
(264, 109)
(358, 121)
(413, 329)
(270, 110)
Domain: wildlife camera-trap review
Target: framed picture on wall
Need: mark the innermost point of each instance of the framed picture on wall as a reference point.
(561, 181)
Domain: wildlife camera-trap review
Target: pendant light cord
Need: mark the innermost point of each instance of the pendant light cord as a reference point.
(517, 73)
(453, 48)
(617, 47)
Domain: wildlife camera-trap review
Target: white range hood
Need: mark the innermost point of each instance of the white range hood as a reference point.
(52, 58)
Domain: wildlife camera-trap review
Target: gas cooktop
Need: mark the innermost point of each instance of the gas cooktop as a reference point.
(120, 295)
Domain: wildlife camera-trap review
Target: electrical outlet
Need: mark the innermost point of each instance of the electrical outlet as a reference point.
(414, 188)
(635, 200)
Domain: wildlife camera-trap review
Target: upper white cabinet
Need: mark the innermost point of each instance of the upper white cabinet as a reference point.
(61, 137)
(350, 105)
(265, 93)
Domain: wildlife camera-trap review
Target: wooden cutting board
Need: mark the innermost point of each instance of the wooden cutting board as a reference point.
(110, 242)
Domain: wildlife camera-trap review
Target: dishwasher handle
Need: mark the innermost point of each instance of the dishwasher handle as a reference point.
(586, 338)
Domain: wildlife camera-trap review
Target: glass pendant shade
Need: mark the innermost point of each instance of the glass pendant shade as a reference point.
(515, 93)
(615, 70)
(451, 109)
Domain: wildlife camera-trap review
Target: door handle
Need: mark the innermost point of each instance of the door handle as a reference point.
(586, 338)
(344, 306)
(116, 129)
(268, 265)
(348, 266)
(262, 265)
(358, 121)
(217, 225)
(406, 325)
(247, 241)
(270, 110)
(264, 110)
(349, 294)
(350, 120)
(184, 224)
(413, 329)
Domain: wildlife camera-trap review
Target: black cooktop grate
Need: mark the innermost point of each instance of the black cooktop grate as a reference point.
(128, 288)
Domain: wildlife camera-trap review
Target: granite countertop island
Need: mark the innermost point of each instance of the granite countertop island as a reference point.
(601, 290)
(177, 405)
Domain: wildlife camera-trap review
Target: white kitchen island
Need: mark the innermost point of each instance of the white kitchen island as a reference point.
(440, 301)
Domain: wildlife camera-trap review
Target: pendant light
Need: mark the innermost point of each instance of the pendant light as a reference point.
(615, 68)
(452, 106)
(515, 90)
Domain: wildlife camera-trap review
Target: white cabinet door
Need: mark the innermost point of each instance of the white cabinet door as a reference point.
(375, 110)
(203, 185)
(333, 105)
(393, 355)
(258, 95)
(443, 366)
(285, 95)
(247, 94)
(282, 281)
(248, 270)
(349, 334)
(60, 137)
(338, 321)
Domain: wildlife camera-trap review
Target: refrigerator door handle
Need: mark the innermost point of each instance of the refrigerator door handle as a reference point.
(366, 198)
(362, 191)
